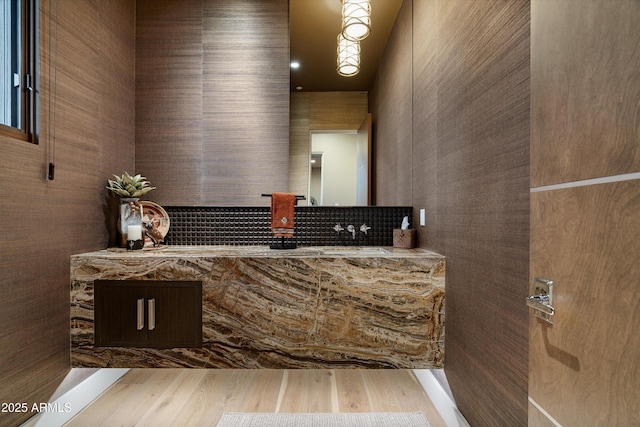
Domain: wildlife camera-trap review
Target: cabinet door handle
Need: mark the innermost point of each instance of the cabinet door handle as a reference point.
(152, 313)
(140, 318)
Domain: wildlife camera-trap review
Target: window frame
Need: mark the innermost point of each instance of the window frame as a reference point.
(29, 89)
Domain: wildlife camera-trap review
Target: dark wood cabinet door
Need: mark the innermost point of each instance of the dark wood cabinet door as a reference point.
(154, 314)
(116, 314)
(178, 321)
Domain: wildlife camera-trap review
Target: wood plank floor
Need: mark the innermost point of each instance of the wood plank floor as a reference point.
(195, 397)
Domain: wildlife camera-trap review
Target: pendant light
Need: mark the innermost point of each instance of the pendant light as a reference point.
(348, 57)
(356, 19)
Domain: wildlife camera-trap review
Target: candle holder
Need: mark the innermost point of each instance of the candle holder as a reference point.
(135, 244)
(134, 237)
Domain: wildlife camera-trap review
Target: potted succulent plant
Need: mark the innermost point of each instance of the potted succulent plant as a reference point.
(129, 189)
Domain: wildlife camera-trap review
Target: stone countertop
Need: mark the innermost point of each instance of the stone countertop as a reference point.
(261, 251)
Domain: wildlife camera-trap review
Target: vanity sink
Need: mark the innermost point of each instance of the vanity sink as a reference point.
(354, 251)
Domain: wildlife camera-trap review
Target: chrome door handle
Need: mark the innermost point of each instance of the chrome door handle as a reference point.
(140, 313)
(542, 299)
(152, 314)
(540, 302)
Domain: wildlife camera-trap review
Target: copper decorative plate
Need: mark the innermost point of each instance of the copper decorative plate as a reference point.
(152, 212)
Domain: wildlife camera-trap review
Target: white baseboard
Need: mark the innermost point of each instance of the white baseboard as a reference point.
(70, 404)
(441, 400)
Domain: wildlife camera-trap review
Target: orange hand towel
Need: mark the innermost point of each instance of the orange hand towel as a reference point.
(282, 208)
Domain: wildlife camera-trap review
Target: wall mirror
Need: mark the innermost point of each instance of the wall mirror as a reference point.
(314, 26)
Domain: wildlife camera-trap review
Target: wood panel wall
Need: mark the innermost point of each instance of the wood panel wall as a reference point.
(452, 136)
(319, 111)
(575, 136)
(90, 112)
(212, 100)
(585, 236)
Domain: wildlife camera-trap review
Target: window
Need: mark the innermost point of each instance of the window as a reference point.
(18, 68)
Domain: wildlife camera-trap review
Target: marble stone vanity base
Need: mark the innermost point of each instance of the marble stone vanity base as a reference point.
(262, 308)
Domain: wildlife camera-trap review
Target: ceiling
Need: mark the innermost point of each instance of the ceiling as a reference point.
(314, 28)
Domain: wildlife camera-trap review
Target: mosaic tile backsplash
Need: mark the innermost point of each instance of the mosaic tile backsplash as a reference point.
(314, 225)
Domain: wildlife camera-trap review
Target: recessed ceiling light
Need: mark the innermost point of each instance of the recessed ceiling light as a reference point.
(298, 87)
(295, 65)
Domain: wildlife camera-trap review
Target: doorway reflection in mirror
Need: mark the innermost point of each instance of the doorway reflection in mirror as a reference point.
(335, 161)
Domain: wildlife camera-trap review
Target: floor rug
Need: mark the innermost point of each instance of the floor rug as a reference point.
(357, 419)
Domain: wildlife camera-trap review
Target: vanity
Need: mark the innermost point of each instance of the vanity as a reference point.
(255, 307)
